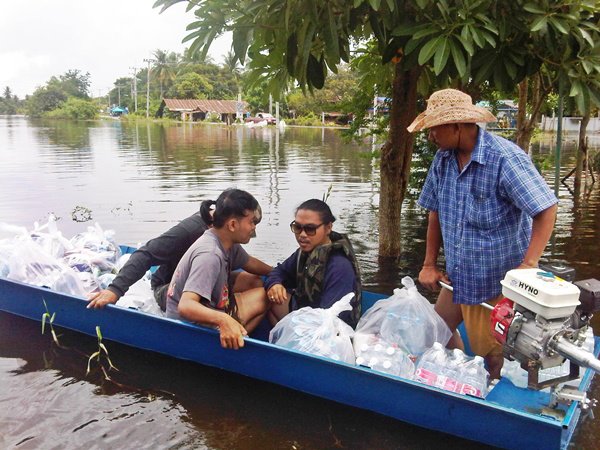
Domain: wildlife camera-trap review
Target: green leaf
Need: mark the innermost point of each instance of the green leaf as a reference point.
(511, 69)
(441, 57)
(411, 46)
(331, 40)
(425, 32)
(575, 88)
(98, 332)
(540, 24)
(428, 50)
(52, 318)
(489, 38)
(291, 54)
(422, 4)
(408, 29)
(587, 36)
(375, 4)
(533, 8)
(467, 44)
(458, 58)
(103, 347)
(477, 37)
(314, 72)
(558, 25)
(391, 5)
(240, 43)
(44, 317)
(92, 356)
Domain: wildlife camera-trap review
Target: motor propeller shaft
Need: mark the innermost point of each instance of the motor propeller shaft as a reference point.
(575, 354)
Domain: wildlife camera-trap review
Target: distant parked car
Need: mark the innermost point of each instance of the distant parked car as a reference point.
(261, 117)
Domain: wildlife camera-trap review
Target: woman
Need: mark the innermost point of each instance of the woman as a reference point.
(204, 290)
(320, 272)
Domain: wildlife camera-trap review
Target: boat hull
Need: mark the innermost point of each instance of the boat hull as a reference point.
(504, 419)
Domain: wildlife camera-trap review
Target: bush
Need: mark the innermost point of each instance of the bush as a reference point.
(74, 108)
(308, 120)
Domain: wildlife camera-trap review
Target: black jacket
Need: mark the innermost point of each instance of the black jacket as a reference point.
(164, 251)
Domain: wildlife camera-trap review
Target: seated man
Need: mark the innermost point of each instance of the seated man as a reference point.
(164, 251)
(201, 290)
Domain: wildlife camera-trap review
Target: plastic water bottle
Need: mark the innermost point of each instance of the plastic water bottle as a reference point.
(475, 378)
(407, 331)
(430, 365)
(452, 375)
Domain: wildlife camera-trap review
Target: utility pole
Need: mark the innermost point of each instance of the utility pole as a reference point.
(148, 87)
(134, 87)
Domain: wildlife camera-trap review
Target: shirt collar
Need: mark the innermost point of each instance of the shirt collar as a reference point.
(478, 154)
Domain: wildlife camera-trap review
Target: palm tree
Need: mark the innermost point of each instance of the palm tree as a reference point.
(164, 68)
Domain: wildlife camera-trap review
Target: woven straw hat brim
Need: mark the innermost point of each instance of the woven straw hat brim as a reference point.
(450, 114)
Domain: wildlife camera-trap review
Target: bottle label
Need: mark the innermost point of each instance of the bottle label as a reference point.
(425, 376)
(467, 389)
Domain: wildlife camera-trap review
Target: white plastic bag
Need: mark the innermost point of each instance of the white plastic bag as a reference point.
(405, 319)
(31, 264)
(318, 331)
(140, 296)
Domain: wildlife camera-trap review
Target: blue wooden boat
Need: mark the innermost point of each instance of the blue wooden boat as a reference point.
(509, 417)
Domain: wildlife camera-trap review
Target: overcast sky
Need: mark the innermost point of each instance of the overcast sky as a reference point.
(42, 38)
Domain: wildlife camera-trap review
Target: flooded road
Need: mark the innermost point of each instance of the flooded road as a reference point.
(139, 180)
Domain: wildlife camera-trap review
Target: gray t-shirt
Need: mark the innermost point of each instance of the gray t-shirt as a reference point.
(204, 269)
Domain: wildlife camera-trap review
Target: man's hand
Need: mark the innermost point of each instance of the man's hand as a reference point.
(277, 294)
(232, 333)
(102, 298)
(429, 276)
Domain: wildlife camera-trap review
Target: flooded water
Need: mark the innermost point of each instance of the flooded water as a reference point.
(139, 180)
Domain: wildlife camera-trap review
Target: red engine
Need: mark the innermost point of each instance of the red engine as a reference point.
(501, 319)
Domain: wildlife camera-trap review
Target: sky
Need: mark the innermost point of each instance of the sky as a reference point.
(42, 38)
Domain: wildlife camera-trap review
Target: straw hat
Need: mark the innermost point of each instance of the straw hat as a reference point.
(450, 106)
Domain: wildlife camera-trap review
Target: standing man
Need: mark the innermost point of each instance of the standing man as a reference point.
(489, 208)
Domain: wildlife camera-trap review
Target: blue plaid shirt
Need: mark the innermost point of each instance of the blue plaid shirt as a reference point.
(485, 213)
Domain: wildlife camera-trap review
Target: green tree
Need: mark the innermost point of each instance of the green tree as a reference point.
(164, 68)
(72, 83)
(424, 43)
(76, 109)
(44, 99)
(190, 85)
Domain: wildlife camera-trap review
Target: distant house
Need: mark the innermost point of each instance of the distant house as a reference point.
(506, 114)
(192, 109)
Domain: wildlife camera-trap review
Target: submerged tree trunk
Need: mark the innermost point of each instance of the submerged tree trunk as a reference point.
(396, 155)
(525, 125)
(581, 151)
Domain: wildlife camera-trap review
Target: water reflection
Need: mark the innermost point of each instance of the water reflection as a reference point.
(140, 179)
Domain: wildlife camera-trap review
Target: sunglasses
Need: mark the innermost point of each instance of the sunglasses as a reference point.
(310, 229)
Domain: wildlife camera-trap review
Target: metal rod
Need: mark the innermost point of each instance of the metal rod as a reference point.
(451, 289)
(575, 354)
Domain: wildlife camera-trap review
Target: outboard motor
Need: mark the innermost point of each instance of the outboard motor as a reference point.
(542, 320)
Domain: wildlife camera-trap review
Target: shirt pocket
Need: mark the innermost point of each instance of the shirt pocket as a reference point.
(484, 212)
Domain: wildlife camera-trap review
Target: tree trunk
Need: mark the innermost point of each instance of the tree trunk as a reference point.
(525, 126)
(396, 155)
(581, 151)
(522, 113)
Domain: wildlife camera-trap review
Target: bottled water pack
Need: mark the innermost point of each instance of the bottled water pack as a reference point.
(452, 371)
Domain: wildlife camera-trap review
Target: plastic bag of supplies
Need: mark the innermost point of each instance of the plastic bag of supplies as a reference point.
(318, 331)
(405, 319)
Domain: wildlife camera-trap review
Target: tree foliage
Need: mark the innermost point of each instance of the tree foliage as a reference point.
(424, 44)
(192, 86)
(72, 84)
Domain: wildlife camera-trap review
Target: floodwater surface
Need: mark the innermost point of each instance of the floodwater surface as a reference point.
(139, 180)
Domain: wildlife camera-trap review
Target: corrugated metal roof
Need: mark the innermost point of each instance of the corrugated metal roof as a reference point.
(218, 106)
